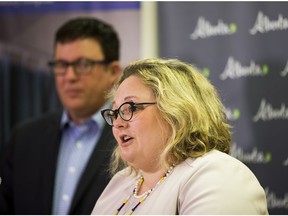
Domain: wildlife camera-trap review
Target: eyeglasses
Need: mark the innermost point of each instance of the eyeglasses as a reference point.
(81, 66)
(125, 111)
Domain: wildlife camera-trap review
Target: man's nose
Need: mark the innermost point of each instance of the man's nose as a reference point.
(70, 72)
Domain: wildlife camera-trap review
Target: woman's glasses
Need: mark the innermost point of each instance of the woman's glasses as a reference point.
(125, 111)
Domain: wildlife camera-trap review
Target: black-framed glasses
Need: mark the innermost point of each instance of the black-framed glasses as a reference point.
(82, 66)
(125, 111)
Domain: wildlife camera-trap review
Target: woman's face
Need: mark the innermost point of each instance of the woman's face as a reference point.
(142, 139)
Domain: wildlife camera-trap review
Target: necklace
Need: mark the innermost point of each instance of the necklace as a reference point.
(144, 195)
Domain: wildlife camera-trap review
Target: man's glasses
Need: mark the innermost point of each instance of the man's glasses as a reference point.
(81, 66)
(125, 111)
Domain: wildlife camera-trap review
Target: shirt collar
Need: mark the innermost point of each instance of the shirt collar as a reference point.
(96, 117)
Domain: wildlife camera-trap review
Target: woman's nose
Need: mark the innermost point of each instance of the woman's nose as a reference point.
(119, 122)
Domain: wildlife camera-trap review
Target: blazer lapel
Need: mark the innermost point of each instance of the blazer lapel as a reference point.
(102, 151)
(51, 142)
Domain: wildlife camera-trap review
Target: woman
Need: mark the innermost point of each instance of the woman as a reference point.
(173, 141)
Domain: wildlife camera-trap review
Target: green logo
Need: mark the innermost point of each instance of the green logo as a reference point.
(205, 72)
(236, 113)
(268, 157)
(265, 69)
(233, 27)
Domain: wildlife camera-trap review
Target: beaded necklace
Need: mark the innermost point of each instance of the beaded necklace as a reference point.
(144, 195)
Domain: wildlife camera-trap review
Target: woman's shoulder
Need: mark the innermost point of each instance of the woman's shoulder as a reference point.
(216, 176)
(215, 165)
(213, 158)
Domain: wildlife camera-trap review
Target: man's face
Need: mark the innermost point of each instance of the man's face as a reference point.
(83, 95)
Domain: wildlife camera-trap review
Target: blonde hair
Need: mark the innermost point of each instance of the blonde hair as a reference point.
(190, 105)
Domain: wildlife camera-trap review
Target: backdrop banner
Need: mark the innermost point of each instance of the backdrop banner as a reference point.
(240, 47)
(26, 45)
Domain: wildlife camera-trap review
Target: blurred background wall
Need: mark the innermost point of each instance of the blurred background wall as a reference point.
(239, 46)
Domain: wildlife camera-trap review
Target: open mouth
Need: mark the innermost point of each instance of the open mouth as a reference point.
(125, 138)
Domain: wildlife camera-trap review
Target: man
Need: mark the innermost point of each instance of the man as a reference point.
(58, 164)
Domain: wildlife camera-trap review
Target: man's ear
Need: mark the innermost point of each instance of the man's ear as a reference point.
(115, 69)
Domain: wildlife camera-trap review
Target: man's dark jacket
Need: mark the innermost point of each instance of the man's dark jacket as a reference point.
(28, 167)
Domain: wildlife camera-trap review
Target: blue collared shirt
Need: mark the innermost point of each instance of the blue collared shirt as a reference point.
(76, 147)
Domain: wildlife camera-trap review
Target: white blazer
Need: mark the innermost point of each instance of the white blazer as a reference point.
(214, 184)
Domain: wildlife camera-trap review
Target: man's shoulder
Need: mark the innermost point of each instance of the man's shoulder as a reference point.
(31, 132)
(39, 123)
